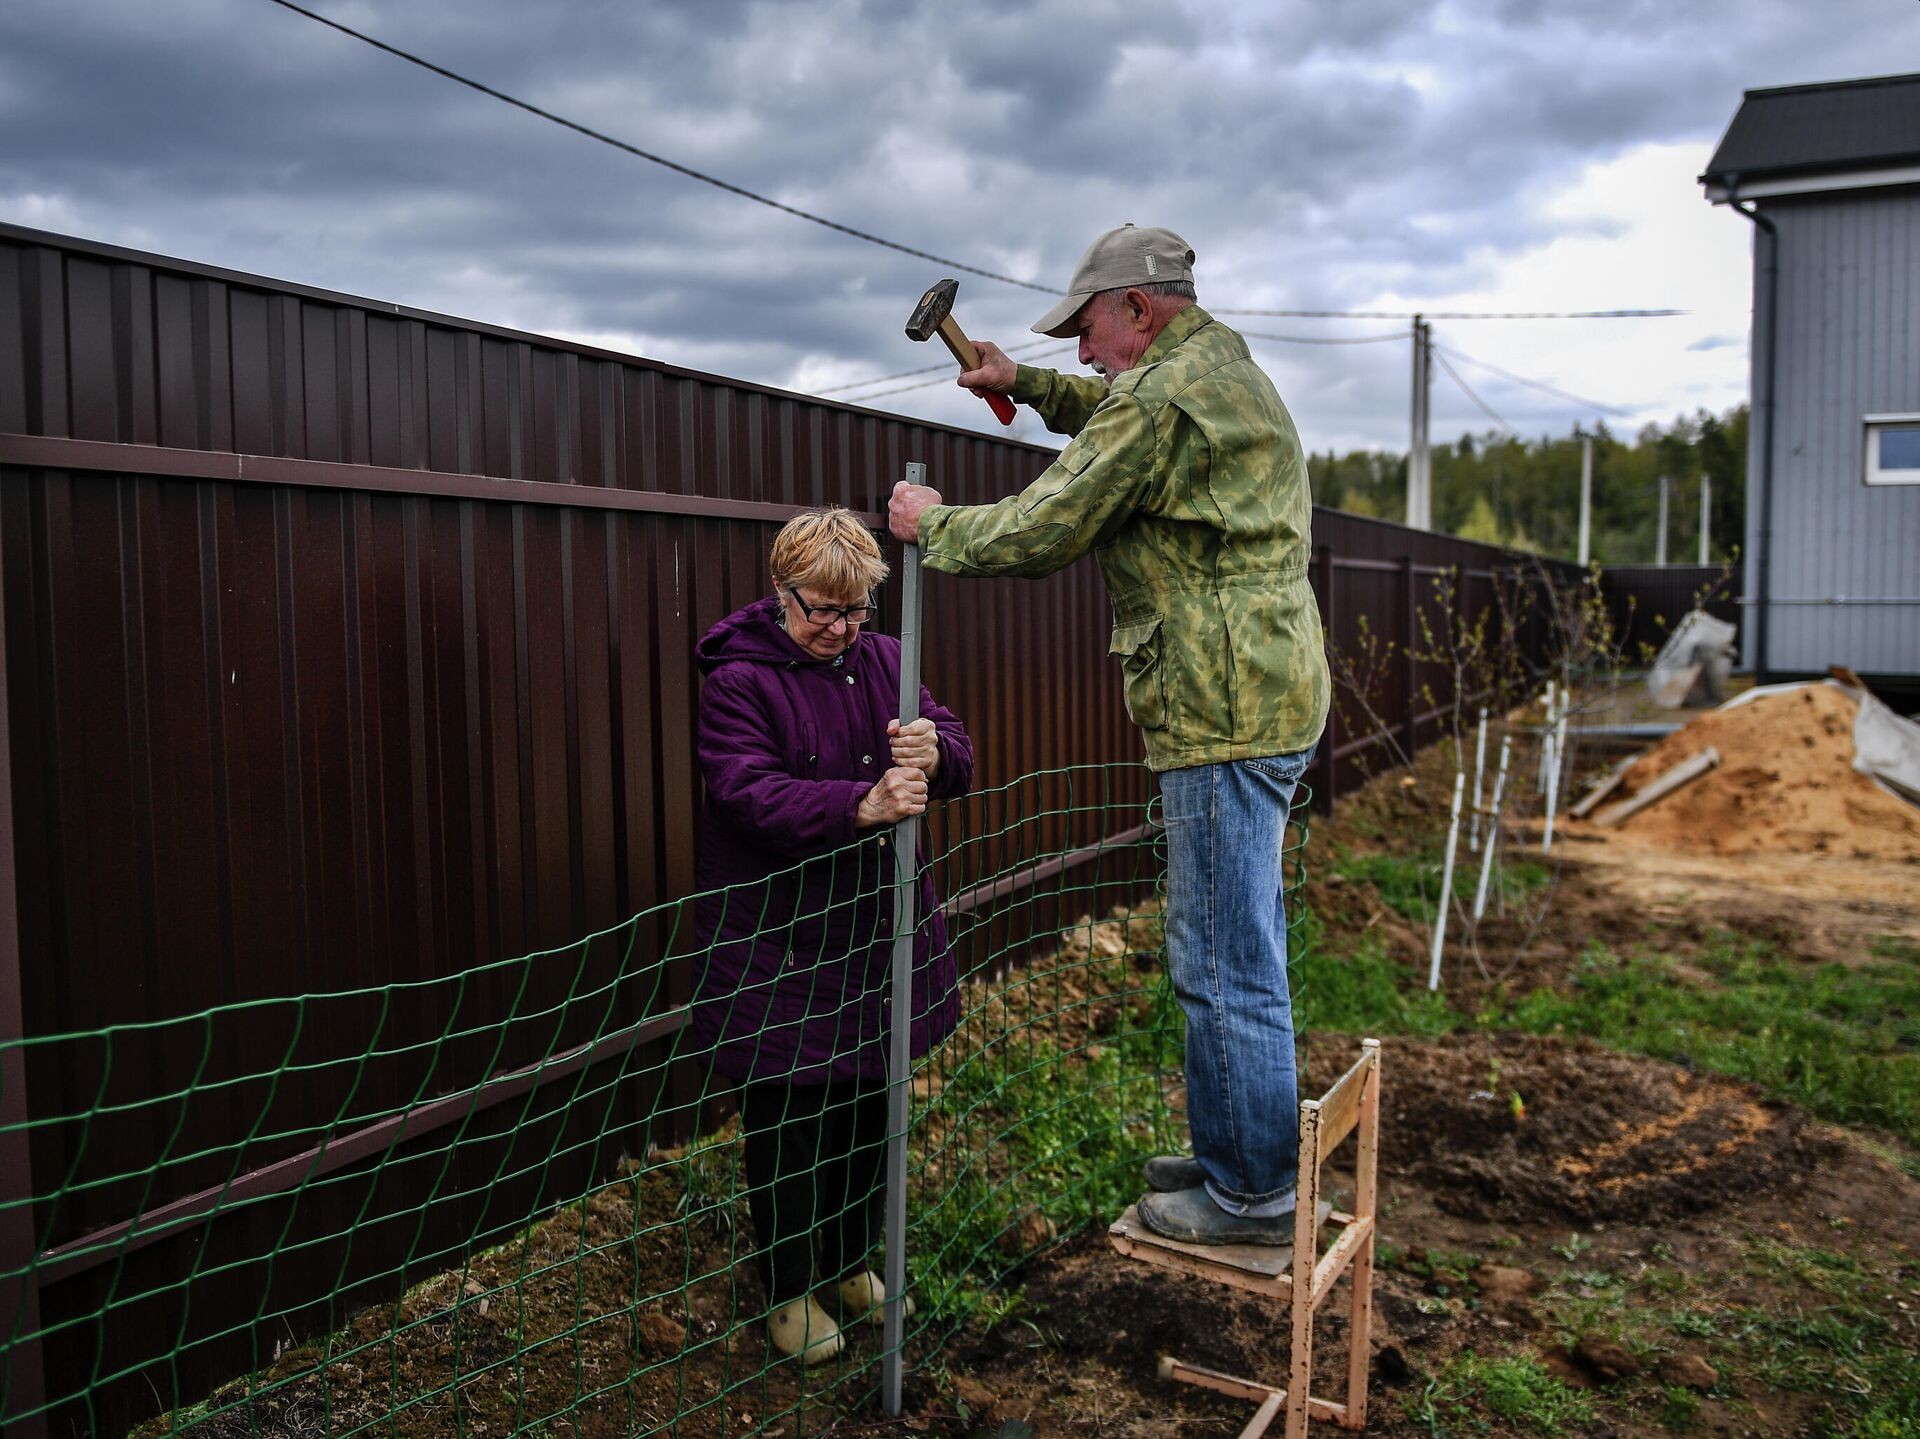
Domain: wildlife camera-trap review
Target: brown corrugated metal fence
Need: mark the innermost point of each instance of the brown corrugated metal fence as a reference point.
(347, 645)
(1647, 601)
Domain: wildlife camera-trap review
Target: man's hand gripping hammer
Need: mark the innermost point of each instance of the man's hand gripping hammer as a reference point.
(934, 314)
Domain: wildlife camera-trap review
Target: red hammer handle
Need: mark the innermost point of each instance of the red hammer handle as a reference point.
(1002, 405)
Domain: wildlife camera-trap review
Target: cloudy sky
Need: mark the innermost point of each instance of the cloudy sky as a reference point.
(1317, 154)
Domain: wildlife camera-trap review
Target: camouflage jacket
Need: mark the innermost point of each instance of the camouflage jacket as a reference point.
(1186, 477)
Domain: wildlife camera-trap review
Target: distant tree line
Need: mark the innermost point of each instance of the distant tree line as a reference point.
(1506, 490)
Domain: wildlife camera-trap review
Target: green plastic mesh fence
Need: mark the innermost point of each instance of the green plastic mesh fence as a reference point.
(535, 1197)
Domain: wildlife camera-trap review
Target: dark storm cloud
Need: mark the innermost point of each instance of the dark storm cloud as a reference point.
(1316, 156)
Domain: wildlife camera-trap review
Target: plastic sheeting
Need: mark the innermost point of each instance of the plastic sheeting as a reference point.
(1886, 746)
(1699, 642)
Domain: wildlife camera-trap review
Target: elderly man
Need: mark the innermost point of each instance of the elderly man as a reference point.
(1186, 475)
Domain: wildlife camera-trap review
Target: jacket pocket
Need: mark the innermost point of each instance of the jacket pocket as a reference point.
(803, 753)
(1139, 643)
(1072, 464)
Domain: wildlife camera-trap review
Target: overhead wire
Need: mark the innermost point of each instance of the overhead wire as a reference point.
(871, 238)
(1043, 344)
(924, 369)
(1046, 344)
(919, 385)
(674, 165)
(1486, 409)
(1461, 314)
(1540, 385)
(1318, 339)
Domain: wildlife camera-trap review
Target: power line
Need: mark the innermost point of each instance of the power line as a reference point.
(1540, 385)
(1454, 375)
(902, 389)
(1462, 314)
(895, 245)
(1042, 344)
(1315, 339)
(925, 369)
(661, 160)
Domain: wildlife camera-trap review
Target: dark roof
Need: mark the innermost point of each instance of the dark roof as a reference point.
(1810, 129)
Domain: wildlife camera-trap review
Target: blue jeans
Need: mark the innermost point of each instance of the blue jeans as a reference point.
(1227, 956)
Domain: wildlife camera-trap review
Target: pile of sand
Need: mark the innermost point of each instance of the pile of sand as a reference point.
(1785, 783)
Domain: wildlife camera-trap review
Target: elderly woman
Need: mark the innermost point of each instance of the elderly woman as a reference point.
(806, 769)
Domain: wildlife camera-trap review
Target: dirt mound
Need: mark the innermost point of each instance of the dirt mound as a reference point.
(1785, 784)
(1595, 1136)
(1096, 1304)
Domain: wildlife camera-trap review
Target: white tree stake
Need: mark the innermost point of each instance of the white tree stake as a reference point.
(1446, 883)
(1493, 831)
(1479, 789)
(1553, 779)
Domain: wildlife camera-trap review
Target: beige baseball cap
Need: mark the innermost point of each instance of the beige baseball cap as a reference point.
(1129, 255)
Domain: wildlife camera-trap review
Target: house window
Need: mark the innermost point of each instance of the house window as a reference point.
(1893, 450)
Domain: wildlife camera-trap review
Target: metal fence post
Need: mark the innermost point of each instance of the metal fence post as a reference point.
(906, 836)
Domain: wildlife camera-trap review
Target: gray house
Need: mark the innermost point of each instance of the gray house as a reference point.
(1830, 177)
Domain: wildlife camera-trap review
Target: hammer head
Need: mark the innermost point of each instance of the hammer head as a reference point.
(934, 307)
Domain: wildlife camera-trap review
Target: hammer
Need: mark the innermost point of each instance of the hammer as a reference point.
(935, 313)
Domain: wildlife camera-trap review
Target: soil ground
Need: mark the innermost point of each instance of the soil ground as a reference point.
(1573, 1239)
(1632, 1241)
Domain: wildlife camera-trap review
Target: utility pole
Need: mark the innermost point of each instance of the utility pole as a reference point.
(1660, 545)
(1586, 498)
(1706, 512)
(1419, 458)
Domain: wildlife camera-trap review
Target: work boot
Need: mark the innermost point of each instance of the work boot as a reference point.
(1191, 1217)
(863, 1297)
(1171, 1173)
(801, 1326)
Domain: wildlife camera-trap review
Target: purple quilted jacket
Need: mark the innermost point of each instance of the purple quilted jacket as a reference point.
(796, 917)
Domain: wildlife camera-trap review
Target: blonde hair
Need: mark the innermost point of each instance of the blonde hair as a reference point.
(829, 551)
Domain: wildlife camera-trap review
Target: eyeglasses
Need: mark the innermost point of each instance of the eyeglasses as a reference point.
(826, 614)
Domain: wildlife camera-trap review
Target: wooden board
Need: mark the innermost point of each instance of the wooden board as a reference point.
(1607, 785)
(1263, 1268)
(1340, 1106)
(1666, 784)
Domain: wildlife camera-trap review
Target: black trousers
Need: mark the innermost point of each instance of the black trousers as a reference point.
(814, 1156)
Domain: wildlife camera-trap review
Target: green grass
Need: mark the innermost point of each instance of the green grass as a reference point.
(1034, 1143)
(1361, 992)
(1891, 946)
(1827, 1337)
(1516, 1388)
(1841, 1041)
(1836, 1343)
(1408, 884)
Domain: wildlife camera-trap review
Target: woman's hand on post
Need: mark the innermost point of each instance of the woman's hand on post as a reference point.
(900, 792)
(916, 745)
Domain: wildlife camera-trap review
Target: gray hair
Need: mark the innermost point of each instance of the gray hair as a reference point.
(1157, 289)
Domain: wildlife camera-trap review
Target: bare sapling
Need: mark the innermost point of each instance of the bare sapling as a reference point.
(1359, 673)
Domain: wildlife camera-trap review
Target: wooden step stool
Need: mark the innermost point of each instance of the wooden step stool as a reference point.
(1300, 1275)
